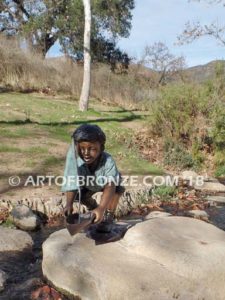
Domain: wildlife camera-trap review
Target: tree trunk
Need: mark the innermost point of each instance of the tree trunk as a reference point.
(84, 97)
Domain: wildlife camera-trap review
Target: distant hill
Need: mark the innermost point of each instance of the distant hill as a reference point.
(204, 72)
(198, 74)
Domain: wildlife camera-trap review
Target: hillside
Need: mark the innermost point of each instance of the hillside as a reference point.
(197, 74)
(204, 72)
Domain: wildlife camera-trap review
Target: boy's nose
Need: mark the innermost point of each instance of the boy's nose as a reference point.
(86, 152)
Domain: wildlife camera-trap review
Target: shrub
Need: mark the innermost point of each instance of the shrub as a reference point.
(220, 171)
(165, 192)
(219, 158)
(175, 113)
(219, 131)
(197, 155)
(175, 155)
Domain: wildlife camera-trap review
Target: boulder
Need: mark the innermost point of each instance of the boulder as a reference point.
(157, 214)
(161, 258)
(3, 278)
(189, 175)
(217, 199)
(24, 218)
(210, 187)
(198, 214)
(14, 240)
(51, 206)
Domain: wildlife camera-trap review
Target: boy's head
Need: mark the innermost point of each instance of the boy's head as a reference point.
(90, 142)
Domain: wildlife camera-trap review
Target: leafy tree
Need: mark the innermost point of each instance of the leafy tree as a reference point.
(43, 22)
(33, 19)
(110, 20)
(196, 30)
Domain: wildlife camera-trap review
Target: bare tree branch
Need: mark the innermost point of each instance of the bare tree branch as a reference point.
(195, 31)
(211, 1)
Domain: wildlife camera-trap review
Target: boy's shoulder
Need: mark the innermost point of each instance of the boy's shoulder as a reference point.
(107, 166)
(106, 159)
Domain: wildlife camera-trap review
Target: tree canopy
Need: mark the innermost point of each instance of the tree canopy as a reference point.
(43, 22)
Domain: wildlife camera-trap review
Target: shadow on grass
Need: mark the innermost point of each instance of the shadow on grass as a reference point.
(122, 110)
(5, 89)
(28, 121)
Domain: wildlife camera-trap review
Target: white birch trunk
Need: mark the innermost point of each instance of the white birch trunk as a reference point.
(84, 97)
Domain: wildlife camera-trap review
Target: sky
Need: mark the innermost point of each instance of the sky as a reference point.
(164, 20)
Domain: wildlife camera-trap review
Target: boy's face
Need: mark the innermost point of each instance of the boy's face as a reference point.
(89, 151)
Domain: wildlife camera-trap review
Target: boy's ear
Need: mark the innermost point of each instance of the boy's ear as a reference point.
(102, 147)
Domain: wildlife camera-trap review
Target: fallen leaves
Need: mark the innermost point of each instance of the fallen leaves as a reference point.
(4, 213)
(46, 293)
(185, 200)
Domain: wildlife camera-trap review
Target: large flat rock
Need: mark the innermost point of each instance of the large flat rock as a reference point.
(210, 187)
(217, 199)
(14, 240)
(160, 258)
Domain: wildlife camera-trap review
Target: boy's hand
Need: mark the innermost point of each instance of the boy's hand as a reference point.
(99, 213)
(68, 210)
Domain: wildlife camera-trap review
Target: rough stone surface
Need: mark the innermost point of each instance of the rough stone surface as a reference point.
(53, 206)
(49, 206)
(162, 258)
(157, 214)
(3, 278)
(199, 214)
(189, 175)
(23, 217)
(14, 240)
(217, 199)
(210, 187)
(130, 199)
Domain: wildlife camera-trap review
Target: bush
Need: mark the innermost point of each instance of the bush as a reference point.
(177, 111)
(219, 131)
(219, 158)
(175, 155)
(192, 118)
(220, 171)
(197, 155)
(165, 192)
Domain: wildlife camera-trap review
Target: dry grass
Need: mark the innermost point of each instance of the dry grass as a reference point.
(27, 72)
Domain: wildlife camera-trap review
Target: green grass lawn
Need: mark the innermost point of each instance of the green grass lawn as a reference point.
(35, 134)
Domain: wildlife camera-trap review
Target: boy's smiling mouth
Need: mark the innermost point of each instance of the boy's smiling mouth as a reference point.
(88, 159)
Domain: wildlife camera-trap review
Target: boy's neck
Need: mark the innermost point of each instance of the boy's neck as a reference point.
(92, 167)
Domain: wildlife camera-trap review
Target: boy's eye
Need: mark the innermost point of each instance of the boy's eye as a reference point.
(89, 149)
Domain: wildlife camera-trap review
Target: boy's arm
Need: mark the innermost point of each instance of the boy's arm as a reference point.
(68, 210)
(107, 196)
